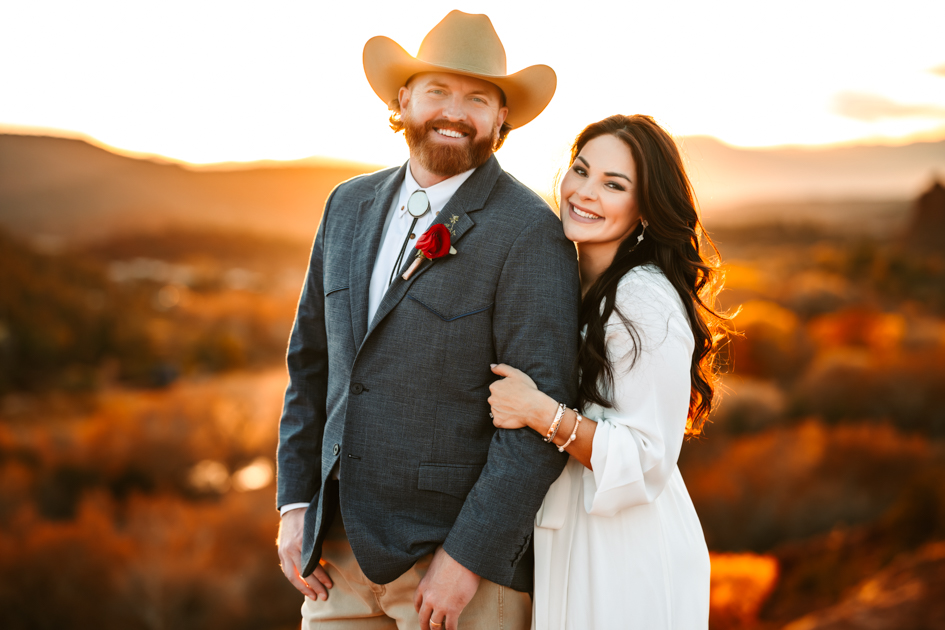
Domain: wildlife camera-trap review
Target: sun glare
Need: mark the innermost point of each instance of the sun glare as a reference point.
(234, 82)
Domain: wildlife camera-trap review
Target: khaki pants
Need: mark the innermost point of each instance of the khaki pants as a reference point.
(354, 602)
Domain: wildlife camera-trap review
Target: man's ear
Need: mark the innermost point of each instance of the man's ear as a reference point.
(501, 116)
(403, 97)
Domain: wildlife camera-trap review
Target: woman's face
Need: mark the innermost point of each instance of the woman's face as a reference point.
(598, 193)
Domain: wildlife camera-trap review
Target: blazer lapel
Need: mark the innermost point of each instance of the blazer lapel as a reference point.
(369, 227)
(470, 197)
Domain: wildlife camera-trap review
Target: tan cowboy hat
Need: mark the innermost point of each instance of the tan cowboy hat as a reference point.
(462, 44)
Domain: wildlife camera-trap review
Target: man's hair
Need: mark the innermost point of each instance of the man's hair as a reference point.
(398, 125)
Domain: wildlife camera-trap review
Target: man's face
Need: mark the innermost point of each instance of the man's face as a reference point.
(450, 121)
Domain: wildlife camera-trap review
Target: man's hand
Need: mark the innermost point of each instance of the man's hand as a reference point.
(444, 592)
(290, 555)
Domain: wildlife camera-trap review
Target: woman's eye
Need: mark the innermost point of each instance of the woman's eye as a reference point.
(579, 171)
(615, 186)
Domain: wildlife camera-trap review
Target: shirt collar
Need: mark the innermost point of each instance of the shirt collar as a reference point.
(438, 194)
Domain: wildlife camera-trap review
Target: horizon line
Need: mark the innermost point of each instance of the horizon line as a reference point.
(326, 160)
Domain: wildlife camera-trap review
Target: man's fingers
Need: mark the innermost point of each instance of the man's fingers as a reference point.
(317, 589)
(425, 612)
(418, 599)
(304, 587)
(451, 622)
(322, 576)
(310, 588)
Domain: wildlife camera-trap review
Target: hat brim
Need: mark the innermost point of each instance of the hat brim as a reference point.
(527, 92)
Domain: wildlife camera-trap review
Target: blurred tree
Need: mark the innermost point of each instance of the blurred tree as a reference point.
(772, 343)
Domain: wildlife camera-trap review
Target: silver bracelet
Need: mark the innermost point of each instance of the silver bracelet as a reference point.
(553, 429)
(577, 423)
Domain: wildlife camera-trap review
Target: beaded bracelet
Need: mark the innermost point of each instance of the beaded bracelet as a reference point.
(577, 423)
(553, 429)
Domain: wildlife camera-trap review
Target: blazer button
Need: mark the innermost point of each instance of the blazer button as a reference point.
(336, 449)
(357, 388)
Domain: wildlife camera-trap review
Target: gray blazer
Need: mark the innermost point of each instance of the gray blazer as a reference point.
(401, 402)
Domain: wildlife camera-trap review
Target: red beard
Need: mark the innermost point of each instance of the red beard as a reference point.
(442, 159)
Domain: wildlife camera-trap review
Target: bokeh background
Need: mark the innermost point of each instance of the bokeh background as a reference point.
(162, 172)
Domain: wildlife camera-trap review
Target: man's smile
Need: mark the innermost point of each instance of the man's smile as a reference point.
(450, 133)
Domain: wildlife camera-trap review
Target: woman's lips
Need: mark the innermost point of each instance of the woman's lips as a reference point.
(581, 215)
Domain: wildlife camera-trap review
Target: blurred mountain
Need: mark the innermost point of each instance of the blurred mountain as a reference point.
(57, 189)
(927, 224)
(725, 175)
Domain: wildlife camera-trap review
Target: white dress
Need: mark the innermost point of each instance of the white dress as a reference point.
(621, 546)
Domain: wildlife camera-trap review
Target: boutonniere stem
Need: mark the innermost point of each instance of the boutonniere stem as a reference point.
(435, 243)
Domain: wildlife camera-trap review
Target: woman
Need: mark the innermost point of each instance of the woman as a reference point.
(617, 540)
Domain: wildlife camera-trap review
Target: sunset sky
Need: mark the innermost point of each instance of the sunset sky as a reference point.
(210, 81)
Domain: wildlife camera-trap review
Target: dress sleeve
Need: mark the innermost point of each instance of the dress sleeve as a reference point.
(638, 440)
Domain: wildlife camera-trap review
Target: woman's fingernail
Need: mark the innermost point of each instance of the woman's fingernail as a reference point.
(493, 364)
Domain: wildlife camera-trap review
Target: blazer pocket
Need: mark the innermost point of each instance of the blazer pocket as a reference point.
(335, 290)
(453, 479)
(449, 317)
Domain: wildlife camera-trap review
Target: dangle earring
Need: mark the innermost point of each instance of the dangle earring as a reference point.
(640, 237)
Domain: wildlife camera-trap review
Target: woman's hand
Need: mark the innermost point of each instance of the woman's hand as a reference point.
(516, 401)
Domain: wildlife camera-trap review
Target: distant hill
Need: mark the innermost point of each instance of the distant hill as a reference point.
(927, 225)
(55, 189)
(59, 188)
(726, 176)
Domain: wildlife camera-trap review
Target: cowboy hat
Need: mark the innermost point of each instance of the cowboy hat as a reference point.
(462, 44)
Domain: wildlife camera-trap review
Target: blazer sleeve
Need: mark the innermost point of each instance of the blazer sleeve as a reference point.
(304, 410)
(535, 329)
(637, 442)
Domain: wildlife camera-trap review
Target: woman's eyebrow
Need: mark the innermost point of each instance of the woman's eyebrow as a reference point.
(609, 174)
(618, 175)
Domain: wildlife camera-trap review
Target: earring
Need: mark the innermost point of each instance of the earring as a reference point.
(640, 238)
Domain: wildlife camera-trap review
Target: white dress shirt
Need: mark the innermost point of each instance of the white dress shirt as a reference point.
(396, 229)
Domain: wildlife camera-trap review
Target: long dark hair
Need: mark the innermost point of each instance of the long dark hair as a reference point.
(674, 241)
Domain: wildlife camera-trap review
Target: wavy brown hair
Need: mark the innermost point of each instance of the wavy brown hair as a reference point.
(674, 241)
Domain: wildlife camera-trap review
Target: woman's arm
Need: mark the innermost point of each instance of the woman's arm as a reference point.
(631, 451)
(517, 403)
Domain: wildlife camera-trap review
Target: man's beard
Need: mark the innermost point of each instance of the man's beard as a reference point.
(446, 159)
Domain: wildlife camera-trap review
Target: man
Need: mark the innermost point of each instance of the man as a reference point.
(402, 505)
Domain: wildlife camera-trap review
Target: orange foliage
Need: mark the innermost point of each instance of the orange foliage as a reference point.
(100, 527)
(791, 482)
(741, 583)
(879, 332)
(771, 343)
(153, 562)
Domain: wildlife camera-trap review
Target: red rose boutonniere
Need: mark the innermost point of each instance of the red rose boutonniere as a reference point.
(433, 244)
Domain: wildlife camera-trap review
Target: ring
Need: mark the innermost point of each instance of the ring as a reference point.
(493, 417)
(435, 624)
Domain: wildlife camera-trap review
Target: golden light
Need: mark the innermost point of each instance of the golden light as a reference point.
(209, 476)
(258, 474)
(212, 81)
(740, 585)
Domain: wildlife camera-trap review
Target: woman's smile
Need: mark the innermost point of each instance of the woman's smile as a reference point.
(582, 215)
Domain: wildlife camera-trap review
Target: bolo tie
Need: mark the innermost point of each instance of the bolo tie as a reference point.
(417, 205)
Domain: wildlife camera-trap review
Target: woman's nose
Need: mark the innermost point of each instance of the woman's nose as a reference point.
(586, 190)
